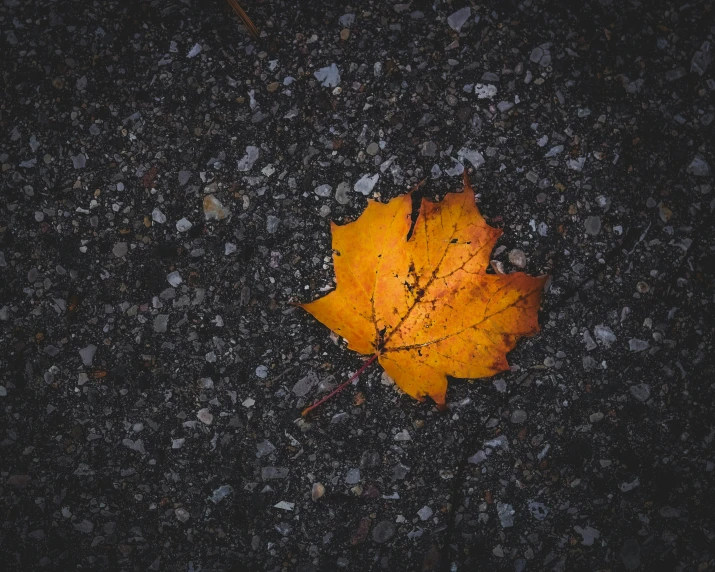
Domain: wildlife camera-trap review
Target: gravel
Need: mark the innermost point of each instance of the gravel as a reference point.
(168, 186)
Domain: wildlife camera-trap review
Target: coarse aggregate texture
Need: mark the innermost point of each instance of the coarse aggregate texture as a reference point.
(166, 187)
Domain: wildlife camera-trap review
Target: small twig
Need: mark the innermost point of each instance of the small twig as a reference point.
(340, 387)
(250, 26)
(282, 374)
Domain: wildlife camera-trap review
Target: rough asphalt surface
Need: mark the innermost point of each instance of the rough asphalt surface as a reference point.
(166, 190)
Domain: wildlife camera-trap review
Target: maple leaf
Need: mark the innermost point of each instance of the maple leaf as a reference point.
(424, 304)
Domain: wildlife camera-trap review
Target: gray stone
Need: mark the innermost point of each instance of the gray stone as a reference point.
(555, 150)
(174, 278)
(184, 177)
(303, 386)
(246, 162)
(676, 74)
(504, 106)
(328, 76)
(383, 531)
(640, 391)
(604, 334)
(538, 510)
(38, 534)
(457, 19)
(158, 216)
(205, 416)
(79, 161)
(342, 193)
(323, 190)
(593, 225)
(701, 59)
(471, 155)
(183, 225)
(698, 167)
(505, 512)
(428, 149)
(161, 322)
(425, 513)
(347, 20)
(631, 554)
(517, 258)
(352, 477)
(264, 448)
(588, 534)
(536, 55)
(85, 526)
(272, 223)
(270, 473)
(137, 445)
(366, 184)
(518, 416)
(221, 493)
(399, 472)
(636, 345)
(87, 354)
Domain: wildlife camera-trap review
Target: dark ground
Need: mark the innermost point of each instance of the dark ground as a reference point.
(598, 150)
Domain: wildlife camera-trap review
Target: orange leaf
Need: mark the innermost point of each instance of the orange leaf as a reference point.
(426, 306)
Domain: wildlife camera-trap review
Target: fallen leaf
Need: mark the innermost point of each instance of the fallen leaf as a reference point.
(424, 305)
(359, 399)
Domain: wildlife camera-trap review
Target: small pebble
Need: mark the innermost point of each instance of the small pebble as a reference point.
(158, 216)
(272, 223)
(366, 184)
(457, 19)
(174, 278)
(506, 513)
(221, 493)
(183, 225)
(631, 554)
(87, 354)
(640, 391)
(317, 491)
(517, 258)
(636, 345)
(425, 512)
(342, 193)
(161, 323)
(383, 531)
(213, 209)
(204, 415)
(264, 448)
(593, 225)
(120, 249)
(518, 416)
(246, 162)
(323, 190)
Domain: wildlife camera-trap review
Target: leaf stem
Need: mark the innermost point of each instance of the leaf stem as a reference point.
(340, 387)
